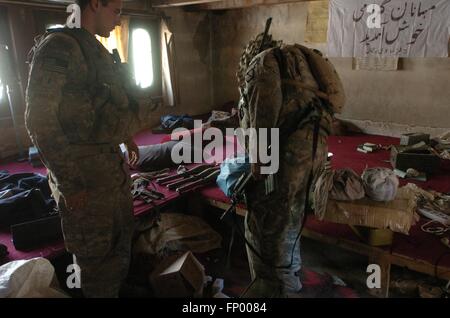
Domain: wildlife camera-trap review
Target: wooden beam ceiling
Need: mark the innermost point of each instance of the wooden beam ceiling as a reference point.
(218, 4)
(236, 4)
(178, 3)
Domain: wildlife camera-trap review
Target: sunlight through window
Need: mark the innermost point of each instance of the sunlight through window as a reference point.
(1, 89)
(110, 43)
(55, 26)
(142, 57)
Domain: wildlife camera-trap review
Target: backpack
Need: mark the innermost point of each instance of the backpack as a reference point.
(318, 83)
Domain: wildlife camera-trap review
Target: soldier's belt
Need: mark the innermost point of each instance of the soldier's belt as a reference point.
(92, 150)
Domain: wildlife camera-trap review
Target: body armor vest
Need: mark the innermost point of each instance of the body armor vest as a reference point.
(95, 107)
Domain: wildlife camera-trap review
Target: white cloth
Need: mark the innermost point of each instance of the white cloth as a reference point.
(28, 279)
(409, 28)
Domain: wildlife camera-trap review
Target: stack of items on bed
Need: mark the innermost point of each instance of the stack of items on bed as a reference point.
(371, 200)
(26, 206)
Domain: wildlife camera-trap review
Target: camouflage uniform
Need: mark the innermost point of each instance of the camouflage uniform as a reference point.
(78, 112)
(273, 222)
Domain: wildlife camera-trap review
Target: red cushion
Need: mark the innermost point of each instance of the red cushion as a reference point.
(182, 134)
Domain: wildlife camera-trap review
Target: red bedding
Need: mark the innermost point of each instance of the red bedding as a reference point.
(418, 245)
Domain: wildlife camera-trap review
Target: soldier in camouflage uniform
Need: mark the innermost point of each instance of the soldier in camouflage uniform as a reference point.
(273, 222)
(78, 112)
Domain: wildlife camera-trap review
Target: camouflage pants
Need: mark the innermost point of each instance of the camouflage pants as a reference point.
(100, 237)
(273, 222)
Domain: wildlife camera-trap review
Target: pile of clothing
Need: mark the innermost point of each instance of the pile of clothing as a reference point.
(24, 197)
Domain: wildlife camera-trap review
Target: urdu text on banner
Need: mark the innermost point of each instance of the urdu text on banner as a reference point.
(396, 28)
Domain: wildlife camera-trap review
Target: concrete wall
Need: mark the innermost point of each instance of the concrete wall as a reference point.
(192, 32)
(417, 97)
(233, 29)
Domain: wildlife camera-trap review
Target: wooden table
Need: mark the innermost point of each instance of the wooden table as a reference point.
(383, 256)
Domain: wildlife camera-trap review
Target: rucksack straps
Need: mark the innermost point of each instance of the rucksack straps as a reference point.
(88, 50)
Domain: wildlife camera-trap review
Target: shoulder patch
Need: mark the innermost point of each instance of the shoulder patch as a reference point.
(55, 64)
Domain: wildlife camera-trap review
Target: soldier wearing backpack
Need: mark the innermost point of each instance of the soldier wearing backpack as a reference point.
(297, 90)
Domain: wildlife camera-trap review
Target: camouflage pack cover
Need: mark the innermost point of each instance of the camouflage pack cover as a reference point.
(326, 76)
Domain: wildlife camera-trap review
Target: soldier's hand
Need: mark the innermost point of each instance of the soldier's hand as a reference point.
(77, 201)
(133, 152)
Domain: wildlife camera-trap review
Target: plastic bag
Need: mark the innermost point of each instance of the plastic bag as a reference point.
(28, 279)
(230, 171)
(177, 232)
(175, 121)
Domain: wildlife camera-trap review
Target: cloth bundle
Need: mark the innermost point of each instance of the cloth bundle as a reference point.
(380, 184)
(347, 186)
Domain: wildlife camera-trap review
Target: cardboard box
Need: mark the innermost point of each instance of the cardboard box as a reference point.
(421, 160)
(374, 237)
(413, 138)
(397, 215)
(178, 277)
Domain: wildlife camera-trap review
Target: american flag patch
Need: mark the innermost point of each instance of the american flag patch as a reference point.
(54, 64)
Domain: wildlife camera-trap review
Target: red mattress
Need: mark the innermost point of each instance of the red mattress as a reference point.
(418, 245)
(345, 155)
(54, 249)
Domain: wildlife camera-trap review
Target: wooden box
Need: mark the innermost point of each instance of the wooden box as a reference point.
(413, 138)
(421, 160)
(374, 237)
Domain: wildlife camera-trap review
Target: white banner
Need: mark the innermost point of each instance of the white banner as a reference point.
(400, 28)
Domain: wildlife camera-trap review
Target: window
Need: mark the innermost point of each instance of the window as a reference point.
(55, 26)
(2, 89)
(5, 65)
(109, 43)
(145, 54)
(137, 42)
(142, 57)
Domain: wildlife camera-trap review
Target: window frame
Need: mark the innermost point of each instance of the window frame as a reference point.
(2, 91)
(152, 26)
(5, 38)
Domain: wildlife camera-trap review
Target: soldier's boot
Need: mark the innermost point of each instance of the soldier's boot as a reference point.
(290, 281)
(263, 288)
